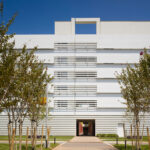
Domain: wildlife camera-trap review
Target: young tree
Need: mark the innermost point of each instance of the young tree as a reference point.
(22, 80)
(23, 87)
(133, 81)
(8, 57)
(32, 87)
(145, 80)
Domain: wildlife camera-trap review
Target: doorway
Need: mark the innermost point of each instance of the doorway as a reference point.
(120, 131)
(85, 127)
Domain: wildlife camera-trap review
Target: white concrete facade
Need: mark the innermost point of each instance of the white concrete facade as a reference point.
(84, 67)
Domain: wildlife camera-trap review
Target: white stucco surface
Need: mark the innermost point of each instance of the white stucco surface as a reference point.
(84, 68)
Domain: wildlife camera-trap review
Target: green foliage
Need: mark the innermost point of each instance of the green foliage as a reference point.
(38, 86)
(23, 79)
(145, 80)
(135, 87)
(129, 147)
(58, 138)
(8, 58)
(107, 135)
(6, 147)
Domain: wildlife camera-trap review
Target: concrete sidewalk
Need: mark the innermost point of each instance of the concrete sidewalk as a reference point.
(85, 143)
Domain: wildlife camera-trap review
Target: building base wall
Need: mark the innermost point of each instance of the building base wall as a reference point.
(66, 125)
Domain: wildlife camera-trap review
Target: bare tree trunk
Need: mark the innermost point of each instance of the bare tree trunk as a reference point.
(136, 143)
(15, 127)
(141, 140)
(9, 135)
(35, 140)
(27, 138)
(33, 134)
(12, 142)
(124, 130)
(148, 137)
(20, 135)
(16, 134)
(138, 138)
(36, 134)
(15, 141)
(137, 131)
(134, 134)
(42, 137)
(131, 134)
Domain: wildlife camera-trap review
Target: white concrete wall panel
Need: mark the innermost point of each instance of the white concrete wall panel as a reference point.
(123, 41)
(109, 71)
(113, 102)
(115, 56)
(108, 87)
(104, 27)
(66, 125)
(103, 41)
(31, 41)
(114, 46)
(63, 28)
(125, 27)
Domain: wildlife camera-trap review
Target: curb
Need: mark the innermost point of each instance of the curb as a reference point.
(110, 145)
(59, 145)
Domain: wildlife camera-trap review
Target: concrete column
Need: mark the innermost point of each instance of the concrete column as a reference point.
(73, 26)
(98, 27)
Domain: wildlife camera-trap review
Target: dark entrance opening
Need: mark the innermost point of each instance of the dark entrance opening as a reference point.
(85, 128)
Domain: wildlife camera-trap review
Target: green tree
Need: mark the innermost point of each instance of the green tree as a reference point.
(134, 89)
(8, 59)
(36, 111)
(22, 80)
(145, 80)
(32, 83)
(23, 89)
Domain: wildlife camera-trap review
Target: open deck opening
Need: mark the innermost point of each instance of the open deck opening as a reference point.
(85, 127)
(85, 29)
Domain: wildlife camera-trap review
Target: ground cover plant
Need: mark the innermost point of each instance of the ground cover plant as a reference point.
(129, 147)
(51, 138)
(6, 147)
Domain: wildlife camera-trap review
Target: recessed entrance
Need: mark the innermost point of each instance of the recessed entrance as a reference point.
(85, 128)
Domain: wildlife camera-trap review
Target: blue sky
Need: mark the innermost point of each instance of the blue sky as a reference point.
(38, 16)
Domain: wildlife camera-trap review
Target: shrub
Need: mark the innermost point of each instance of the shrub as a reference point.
(107, 135)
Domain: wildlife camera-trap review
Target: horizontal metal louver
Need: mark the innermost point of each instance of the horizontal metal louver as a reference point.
(75, 90)
(75, 48)
(76, 75)
(78, 105)
(79, 61)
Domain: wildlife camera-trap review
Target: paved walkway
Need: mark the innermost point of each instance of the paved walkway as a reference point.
(85, 143)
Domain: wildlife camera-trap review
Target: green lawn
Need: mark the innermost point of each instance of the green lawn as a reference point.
(129, 147)
(145, 138)
(58, 138)
(6, 147)
(61, 138)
